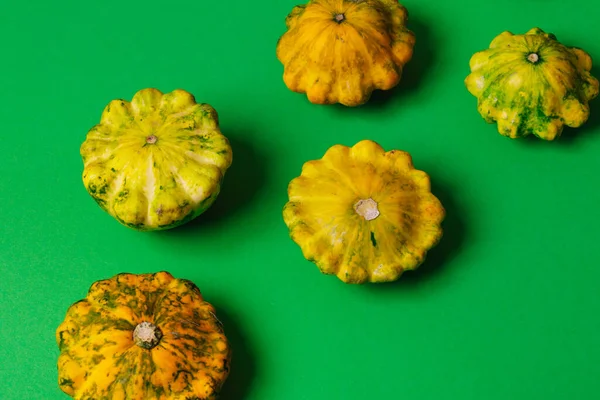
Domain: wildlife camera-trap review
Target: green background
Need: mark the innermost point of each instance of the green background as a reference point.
(506, 307)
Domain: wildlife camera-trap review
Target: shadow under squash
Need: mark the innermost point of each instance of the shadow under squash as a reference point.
(453, 239)
(243, 181)
(243, 366)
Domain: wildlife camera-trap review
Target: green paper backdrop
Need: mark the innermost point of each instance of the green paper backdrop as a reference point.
(506, 307)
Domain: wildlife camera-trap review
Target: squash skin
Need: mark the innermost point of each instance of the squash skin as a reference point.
(330, 215)
(345, 62)
(98, 357)
(536, 96)
(156, 162)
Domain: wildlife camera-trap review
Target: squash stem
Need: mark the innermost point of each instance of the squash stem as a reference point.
(339, 18)
(533, 58)
(147, 335)
(151, 139)
(367, 208)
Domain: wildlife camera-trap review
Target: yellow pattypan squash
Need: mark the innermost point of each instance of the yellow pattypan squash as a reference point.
(142, 337)
(532, 84)
(339, 51)
(155, 162)
(363, 214)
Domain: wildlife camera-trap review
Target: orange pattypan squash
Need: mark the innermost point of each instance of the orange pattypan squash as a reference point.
(142, 337)
(339, 51)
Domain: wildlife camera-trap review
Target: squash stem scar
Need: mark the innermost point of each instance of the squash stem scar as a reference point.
(147, 335)
(339, 18)
(367, 208)
(151, 139)
(533, 58)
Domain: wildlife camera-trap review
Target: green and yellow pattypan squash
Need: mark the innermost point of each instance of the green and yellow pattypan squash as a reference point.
(532, 84)
(155, 162)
